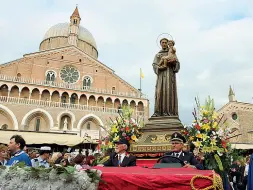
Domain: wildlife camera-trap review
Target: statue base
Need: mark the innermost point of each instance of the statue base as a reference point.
(155, 140)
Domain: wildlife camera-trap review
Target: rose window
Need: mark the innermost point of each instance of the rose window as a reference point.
(69, 74)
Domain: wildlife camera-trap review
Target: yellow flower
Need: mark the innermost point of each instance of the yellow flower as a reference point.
(214, 116)
(206, 127)
(191, 138)
(110, 144)
(213, 142)
(116, 138)
(198, 144)
(133, 137)
(204, 137)
(114, 129)
(215, 124)
(199, 135)
(205, 112)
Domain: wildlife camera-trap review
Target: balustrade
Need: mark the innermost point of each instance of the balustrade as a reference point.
(67, 86)
(52, 104)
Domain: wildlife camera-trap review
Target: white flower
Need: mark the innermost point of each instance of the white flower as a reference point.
(133, 120)
(220, 153)
(220, 132)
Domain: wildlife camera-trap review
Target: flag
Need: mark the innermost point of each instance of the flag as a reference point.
(141, 74)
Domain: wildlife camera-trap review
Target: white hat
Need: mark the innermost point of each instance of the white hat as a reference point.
(45, 148)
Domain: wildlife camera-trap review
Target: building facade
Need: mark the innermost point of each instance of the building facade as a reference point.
(239, 116)
(63, 88)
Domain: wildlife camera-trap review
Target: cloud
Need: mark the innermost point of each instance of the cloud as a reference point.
(213, 40)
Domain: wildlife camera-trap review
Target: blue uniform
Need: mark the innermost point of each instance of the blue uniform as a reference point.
(36, 162)
(19, 156)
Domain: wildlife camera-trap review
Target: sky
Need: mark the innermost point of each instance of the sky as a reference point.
(214, 41)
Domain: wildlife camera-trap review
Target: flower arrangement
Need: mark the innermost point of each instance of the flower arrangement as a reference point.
(210, 136)
(56, 177)
(124, 126)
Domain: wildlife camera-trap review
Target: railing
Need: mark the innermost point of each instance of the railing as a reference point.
(68, 86)
(51, 104)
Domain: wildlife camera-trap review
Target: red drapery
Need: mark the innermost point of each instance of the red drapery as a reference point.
(138, 178)
(146, 162)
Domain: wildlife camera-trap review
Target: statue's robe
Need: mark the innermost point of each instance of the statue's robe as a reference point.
(166, 102)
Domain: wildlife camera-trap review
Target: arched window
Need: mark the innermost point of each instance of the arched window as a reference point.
(75, 21)
(87, 82)
(88, 126)
(64, 99)
(4, 127)
(18, 76)
(73, 99)
(113, 89)
(50, 76)
(37, 126)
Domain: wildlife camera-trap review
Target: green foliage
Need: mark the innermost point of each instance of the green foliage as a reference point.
(41, 178)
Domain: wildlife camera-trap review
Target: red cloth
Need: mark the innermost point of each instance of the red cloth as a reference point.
(138, 178)
(145, 162)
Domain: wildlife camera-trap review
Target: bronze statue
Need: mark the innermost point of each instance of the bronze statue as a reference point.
(165, 66)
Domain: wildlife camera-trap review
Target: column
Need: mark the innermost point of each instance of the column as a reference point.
(136, 111)
(8, 95)
(104, 108)
(19, 92)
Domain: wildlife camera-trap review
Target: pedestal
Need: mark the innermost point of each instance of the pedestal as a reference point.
(155, 140)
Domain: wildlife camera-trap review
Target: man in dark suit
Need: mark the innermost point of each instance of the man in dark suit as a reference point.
(120, 158)
(177, 144)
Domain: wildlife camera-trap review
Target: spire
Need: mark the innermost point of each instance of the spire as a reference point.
(75, 13)
(231, 95)
(231, 92)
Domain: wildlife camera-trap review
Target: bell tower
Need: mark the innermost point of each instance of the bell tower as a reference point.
(74, 27)
(231, 95)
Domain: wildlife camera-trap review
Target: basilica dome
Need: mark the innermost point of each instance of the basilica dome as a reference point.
(62, 30)
(67, 34)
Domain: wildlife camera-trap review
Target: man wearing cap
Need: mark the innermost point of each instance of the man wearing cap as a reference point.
(120, 158)
(177, 145)
(45, 152)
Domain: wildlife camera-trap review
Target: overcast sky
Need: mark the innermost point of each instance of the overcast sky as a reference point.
(214, 40)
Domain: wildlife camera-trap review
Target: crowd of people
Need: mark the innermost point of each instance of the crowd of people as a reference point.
(239, 174)
(17, 152)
